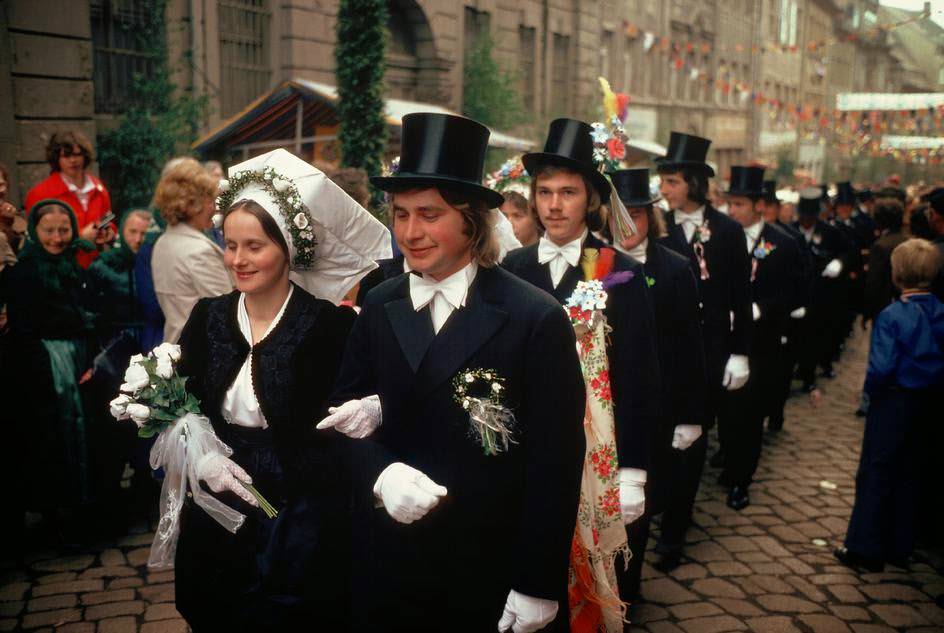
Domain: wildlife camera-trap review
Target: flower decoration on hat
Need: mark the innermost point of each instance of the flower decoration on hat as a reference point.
(609, 139)
(511, 176)
(293, 210)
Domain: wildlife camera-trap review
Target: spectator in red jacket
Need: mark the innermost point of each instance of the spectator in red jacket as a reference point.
(69, 155)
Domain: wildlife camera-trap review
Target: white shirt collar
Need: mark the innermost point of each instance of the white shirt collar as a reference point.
(637, 252)
(697, 216)
(442, 297)
(753, 231)
(560, 258)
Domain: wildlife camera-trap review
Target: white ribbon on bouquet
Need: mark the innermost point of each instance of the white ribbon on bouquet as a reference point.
(178, 450)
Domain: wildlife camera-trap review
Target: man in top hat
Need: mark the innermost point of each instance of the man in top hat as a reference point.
(789, 339)
(567, 192)
(775, 283)
(471, 526)
(674, 297)
(858, 237)
(828, 251)
(714, 246)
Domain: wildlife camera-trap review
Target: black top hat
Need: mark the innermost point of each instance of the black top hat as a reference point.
(864, 195)
(810, 202)
(686, 150)
(441, 150)
(936, 199)
(746, 181)
(845, 194)
(632, 187)
(569, 145)
(770, 191)
(824, 192)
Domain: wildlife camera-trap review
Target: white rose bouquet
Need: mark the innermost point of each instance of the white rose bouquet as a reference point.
(155, 397)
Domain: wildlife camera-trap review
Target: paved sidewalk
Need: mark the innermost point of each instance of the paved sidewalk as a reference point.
(768, 569)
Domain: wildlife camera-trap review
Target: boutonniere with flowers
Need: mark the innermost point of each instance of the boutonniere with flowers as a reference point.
(294, 212)
(763, 249)
(155, 397)
(481, 392)
(586, 304)
(700, 237)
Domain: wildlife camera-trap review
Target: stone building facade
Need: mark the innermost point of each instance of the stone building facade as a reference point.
(71, 64)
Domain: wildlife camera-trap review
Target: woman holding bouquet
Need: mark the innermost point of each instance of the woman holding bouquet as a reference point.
(263, 360)
(51, 332)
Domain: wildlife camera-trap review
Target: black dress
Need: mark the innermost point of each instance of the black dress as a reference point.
(291, 571)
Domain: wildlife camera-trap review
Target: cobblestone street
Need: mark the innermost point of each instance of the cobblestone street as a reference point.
(768, 568)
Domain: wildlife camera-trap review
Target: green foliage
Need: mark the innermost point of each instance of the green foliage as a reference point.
(359, 64)
(156, 124)
(489, 92)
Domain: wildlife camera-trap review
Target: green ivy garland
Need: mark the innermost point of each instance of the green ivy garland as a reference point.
(294, 212)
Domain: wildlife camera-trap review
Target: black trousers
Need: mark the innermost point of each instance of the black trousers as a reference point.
(628, 576)
(686, 472)
(895, 452)
(786, 363)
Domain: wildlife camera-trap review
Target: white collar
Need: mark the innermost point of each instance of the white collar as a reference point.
(697, 216)
(754, 230)
(637, 252)
(243, 316)
(86, 187)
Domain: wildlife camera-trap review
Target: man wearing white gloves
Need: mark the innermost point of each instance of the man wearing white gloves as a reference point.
(459, 535)
(679, 433)
(776, 280)
(714, 245)
(828, 251)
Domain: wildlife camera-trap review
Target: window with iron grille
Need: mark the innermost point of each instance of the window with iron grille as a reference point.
(526, 55)
(560, 76)
(120, 51)
(245, 69)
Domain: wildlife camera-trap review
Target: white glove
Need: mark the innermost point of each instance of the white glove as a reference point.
(736, 372)
(406, 493)
(632, 493)
(221, 473)
(799, 313)
(756, 310)
(832, 269)
(524, 614)
(354, 418)
(685, 435)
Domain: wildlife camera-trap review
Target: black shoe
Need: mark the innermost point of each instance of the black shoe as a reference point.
(668, 562)
(737, 498)
(861, 413)
(857, 561)
(717, 460)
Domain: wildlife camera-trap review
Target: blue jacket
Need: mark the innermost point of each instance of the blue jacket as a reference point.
(907, 345)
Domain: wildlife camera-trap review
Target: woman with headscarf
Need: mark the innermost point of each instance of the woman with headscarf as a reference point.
(263, 360)
(51, 332)
(111, 276)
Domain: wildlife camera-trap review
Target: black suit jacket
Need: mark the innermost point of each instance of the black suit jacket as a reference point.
(879, 289)
(778, 281)
(386, 269)
(508, 519)
(634, 361)
(727, 290)
(825, 245)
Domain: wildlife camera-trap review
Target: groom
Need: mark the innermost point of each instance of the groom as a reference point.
(462, 537)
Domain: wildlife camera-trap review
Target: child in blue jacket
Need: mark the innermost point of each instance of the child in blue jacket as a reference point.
(906, 365)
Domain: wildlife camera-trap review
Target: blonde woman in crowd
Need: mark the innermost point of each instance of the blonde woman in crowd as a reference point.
(187, 265)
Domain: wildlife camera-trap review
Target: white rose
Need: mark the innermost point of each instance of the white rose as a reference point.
(139, 413)
(217, 220)
(280, 184)
(167, 350)
(165, 368)
(136, 377)
(301, 221)
(126, 388)
(224, 185)
(119, 407)
(137, 359)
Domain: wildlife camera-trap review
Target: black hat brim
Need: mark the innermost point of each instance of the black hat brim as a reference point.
(403, 182)
(745, 193)
(639, 202)
(535, 160)
(662, 163)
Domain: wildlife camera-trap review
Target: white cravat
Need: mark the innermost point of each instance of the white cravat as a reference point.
(560, 257)
(751, 234)
(638, 252)
(444, 296)
(690, 221)
(808, 233)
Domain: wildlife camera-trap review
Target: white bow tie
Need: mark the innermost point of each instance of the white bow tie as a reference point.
(560, 257)
(445, 296)
(694, 219)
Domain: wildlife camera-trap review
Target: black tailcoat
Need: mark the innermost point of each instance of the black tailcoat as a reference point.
(674, 298)
(508, 519)
(254, 579)
(386, 269)
(634, 362)
(777, 287)
(879, 289)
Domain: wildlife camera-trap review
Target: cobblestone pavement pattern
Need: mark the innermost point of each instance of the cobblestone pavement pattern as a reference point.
(768, 568)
